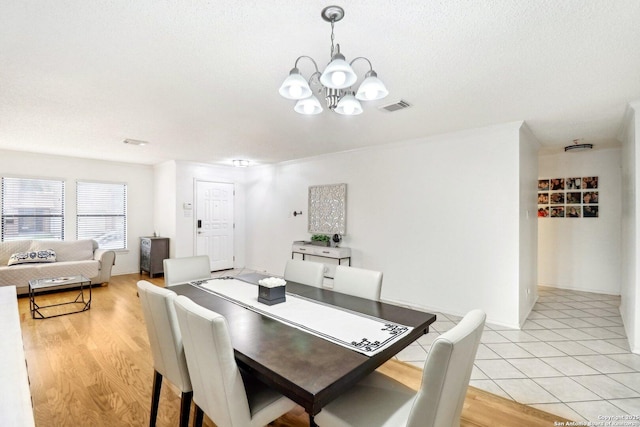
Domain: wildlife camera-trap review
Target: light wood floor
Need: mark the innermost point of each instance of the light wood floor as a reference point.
(95, 369)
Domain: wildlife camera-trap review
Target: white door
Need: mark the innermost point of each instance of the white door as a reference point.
(214, 223)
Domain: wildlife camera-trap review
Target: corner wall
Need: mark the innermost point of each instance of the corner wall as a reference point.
(583, 253)
(528, 265)
(440, 216)
(630, 239)
(163, 202)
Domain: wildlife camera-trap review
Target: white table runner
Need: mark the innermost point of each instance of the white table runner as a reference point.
(365, 334)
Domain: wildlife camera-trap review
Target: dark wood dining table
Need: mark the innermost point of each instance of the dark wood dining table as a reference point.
(307, 369)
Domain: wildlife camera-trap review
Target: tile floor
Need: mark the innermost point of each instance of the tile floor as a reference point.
(571, 358)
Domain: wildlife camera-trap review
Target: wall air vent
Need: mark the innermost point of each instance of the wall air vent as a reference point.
(400, 105)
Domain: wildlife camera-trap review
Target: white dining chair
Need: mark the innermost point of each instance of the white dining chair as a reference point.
(380, 401)
(180, 270)
(358, 282)
(166, 347)
(305, 272)
(229, 398)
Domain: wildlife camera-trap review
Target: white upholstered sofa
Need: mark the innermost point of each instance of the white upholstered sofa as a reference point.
(71, 258)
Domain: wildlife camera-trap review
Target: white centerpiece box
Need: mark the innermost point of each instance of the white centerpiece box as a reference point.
(271, 290)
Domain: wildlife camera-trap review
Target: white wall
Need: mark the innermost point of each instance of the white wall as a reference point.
(183, 182)
(528, 274)
(164, 201)
(139, 179)
(630, 303)
(583, 253)
(439, 216)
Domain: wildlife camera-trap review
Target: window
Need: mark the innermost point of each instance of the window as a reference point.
(102, 213)
(32, 209)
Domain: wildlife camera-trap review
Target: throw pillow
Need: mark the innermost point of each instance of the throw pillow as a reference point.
(32, 257)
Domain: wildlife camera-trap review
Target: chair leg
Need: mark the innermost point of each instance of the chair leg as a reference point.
(155, 397)
(185, 408)
(197, 419)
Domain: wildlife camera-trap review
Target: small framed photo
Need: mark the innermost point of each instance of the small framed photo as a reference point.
(590, 211)
(573, 183)
(543, 185)
(543, 198)
(557, 212)
(557, 184)
(573, 212)
(590, 198)
(557, 198)
(589, 182)
(573, 198)
(543, 211)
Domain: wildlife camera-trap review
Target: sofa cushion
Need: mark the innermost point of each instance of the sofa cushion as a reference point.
(9, 248)
(77, 250)
(46, 255)
(19, 275)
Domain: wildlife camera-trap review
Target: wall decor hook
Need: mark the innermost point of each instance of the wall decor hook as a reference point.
(297, 213)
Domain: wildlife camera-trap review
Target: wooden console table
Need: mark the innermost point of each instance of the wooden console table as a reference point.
(305, 248)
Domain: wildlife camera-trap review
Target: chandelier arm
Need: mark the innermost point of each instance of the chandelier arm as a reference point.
(362, 57)
(309, 58)
(311, 80)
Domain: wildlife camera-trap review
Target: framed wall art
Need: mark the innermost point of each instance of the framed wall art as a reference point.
(328, 209)
(572, 197)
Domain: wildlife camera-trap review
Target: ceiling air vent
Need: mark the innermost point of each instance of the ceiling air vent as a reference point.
(135, 142)
(400, 105)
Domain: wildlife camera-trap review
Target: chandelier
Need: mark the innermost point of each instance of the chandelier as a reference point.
(336, 81)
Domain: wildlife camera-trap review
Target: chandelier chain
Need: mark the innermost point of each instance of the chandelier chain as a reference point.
(332, 37)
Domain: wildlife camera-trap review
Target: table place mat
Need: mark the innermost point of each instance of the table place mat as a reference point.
(364, 334)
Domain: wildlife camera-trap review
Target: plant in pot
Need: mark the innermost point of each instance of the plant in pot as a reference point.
(320, 240)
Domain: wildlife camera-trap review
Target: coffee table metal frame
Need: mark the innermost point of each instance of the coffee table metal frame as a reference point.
(38, 286)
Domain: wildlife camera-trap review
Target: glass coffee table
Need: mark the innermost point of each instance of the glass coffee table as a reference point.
(39, 286)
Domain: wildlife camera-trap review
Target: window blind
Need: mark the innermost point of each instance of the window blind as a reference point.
(32, 209)
(102, 213)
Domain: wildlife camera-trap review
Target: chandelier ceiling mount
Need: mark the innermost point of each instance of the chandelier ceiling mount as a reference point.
(332, 13)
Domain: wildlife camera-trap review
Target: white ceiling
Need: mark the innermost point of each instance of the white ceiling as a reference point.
(199, 79)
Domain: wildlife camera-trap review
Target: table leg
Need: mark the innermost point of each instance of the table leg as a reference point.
(312, 422)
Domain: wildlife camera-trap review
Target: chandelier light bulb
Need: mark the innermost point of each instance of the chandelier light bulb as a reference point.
(371, 88)
(338, 74)
(348, 109)
(295, 86)
(308, 106)
(295, 91)
(338, 78)
(349, 105)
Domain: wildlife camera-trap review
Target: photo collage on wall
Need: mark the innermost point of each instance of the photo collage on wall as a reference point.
(568, 197)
